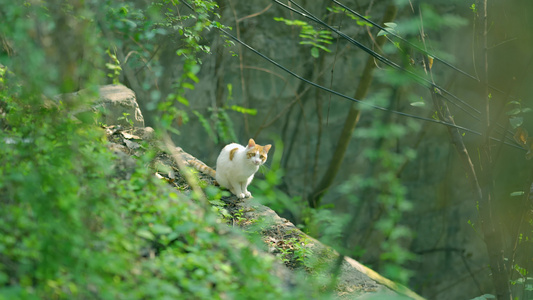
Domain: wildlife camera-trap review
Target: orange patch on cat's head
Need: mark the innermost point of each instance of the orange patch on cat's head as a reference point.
(254, 148)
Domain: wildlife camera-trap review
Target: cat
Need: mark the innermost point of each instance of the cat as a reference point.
(236, 166)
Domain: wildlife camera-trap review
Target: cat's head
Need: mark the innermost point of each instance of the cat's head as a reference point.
(257, 154)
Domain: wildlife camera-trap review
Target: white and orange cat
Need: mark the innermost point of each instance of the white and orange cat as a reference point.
(236, 166)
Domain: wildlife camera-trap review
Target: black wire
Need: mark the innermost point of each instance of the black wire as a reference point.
(385, 60)
(428, 54)
(347, 97)
(353, 99)
(418, 48)
(359, 101)
(381, 58)
(406, 41)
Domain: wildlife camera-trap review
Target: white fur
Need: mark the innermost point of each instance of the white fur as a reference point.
(236, 174)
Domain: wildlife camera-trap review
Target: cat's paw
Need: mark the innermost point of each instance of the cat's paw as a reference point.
(248, 194)
(241, 196)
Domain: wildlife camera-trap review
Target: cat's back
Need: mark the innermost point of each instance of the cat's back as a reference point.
(232, 146)
(232, 149)
(229, 164)
(228, 152)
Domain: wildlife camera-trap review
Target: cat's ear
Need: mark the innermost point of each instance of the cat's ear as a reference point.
(251, 143)
(267, 147)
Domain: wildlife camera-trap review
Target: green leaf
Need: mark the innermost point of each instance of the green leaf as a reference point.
(418, 104)
(188, 85)
(206, 126)
(193, 77)
(244, 110)
(485, 297)
(514, 111)
(112, 66)
(517, 193)
(224, 126)
(363, 23)
(308, 43)
(516, 121)
(230, 91)
(161, 229)
(323, 41)
(145, 234)
(217, 202)
(182, 100)
(382, 32)
(314, 52)
(323, 48)
(390, 24)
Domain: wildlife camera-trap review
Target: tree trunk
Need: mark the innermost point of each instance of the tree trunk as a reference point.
(351, 120)
(490, 224)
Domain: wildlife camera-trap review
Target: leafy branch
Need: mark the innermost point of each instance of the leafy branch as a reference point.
(317, 39)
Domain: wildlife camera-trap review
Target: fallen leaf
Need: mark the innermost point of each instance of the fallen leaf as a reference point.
(521, 136)
(129, 136)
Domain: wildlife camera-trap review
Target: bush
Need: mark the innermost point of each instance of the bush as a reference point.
(69, 229)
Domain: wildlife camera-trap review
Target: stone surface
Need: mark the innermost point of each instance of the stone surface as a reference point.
(355, 280)
(119, 106)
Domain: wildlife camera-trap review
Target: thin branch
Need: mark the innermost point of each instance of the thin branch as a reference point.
(417, 78)
(266, 71)
(255, 14)
(241, 67)
(383, 59)
(351, 98)
(406, 41)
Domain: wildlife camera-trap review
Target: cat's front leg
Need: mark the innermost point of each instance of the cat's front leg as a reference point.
(238, 191)
(245, 190)
(246, 193)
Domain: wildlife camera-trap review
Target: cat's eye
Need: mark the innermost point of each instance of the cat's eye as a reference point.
(262, 156)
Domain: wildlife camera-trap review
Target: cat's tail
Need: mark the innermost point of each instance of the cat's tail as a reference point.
(200, 166)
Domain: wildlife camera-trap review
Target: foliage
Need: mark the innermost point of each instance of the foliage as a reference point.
(125, 117)
(219, 125)
(377, 189)
(337, 10)
(320, 39)
(380, 188)
(429, 33)
(70, 229)
(317, 39)
(114, 67)
(145, 31)
(516, 113)
(390, 27)
(383, 191)
(294, 252)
